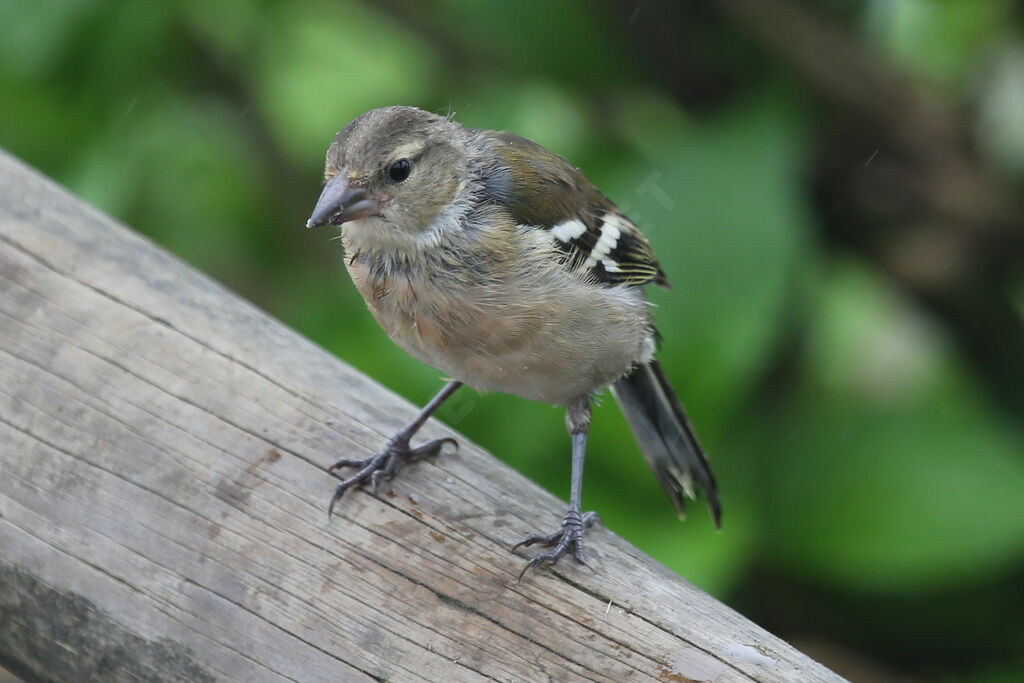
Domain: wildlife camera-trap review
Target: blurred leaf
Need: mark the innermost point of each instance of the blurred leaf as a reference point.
(993, 673)
(38, 34)
(184, 170)
(535, 109)
(871, 342)
(576, 42)
(27, 110)
(939, 39)
(230, 26)
(1000, 127)
(897, 491)
(907, 501)
(325, 63)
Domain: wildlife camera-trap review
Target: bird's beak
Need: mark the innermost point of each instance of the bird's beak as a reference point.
(342, 201)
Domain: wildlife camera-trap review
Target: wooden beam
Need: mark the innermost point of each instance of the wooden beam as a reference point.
(163, 492)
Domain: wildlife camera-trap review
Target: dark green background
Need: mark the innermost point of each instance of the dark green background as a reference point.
(872, 473)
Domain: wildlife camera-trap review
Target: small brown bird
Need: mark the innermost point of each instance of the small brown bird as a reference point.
(496, 261)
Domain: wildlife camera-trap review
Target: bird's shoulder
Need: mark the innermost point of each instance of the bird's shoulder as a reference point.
(542, 190)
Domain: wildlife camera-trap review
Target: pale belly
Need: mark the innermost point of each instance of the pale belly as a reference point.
(555, 340)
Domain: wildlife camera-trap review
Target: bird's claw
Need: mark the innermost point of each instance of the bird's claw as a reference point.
(568, 538)
(384, 465)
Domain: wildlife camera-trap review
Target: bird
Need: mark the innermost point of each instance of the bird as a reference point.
(496, 261)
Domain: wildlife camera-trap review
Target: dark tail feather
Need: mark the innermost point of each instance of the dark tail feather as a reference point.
(666, 438)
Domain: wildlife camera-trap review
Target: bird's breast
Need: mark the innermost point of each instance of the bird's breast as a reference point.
(540, 333)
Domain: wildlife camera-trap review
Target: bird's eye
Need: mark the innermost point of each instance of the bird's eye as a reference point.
(400, 170)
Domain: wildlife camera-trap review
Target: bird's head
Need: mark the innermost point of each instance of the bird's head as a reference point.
(390, 173)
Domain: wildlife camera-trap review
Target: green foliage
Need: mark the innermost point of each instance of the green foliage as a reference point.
(942, 40)
(856, 450)
(901, 440)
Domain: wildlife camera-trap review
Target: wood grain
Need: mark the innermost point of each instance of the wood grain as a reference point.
(162, 503)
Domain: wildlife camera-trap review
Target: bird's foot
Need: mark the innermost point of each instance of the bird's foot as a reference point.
(385, 464)
(568, 538)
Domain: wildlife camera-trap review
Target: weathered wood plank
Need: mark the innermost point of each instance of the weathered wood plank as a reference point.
(162, 493)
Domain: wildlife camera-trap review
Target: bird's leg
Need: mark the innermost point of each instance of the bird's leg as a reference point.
(570, 536)
(396, 452)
